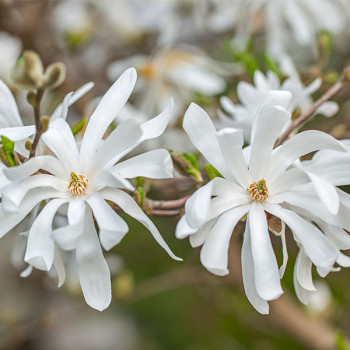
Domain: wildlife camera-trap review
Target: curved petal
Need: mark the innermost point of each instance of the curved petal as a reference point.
(59, 266)
(130, 207)
(9, 115)
(13, 194)
(302, 294)
(304, 272)
(269, 125)
(48, 163)
(155, 164)
(248, 274)
(199, 237)
(93, 271)
(18, 133)
(299, 145)
(112, 102)
(40, 246)
(284, 250)
(267, 280)
(214, 253)
(202, 133)
(67, 237)
(112, 227)
(316, 246)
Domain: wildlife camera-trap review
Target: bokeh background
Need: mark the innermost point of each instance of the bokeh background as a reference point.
(159, 303)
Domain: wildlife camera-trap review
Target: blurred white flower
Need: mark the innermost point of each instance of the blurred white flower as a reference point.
(251, 96)
(10, 48)
(259, 182)
(85, 179)
(173, 71)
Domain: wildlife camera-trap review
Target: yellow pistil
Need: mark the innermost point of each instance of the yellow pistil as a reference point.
(77, 183)
(258, 190)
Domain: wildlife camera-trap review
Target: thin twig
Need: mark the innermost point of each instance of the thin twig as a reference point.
(38, 126)
(333, 90)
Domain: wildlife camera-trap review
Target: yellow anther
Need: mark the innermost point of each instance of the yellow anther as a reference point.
(77, 183)
(258, 190)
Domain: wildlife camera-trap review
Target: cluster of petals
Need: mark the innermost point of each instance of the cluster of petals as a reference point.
(313, 209)
(81, 180)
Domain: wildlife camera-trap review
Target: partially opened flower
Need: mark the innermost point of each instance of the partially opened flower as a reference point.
(261, 183)
(251, 96)
(86, 179)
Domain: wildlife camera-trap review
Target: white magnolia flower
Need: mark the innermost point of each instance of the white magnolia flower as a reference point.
(172, 71)
(84, 179)
(286, 20)
(268, 186)
(251, 96)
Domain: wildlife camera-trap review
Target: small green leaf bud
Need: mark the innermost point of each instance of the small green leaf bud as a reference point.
(28, 145)
(31, 98)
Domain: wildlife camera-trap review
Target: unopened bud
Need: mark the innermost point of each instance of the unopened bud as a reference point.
(54, 75)
(28, 71)
(31, 98)
(28, 145)
(346, 73)
(45, 121)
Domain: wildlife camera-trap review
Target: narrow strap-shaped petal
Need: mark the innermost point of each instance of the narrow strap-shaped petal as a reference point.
(40, 246)
(299, 145)
(302, 294)
(154, 164)
(67, 237)
(112, 102)
(112, 227)
(9, 115)
(284, 250)
(248, 274)
(13, 194)
(304, 271)
(214, 253)
(318, 248)
(18, 133)
(59, 266)
(48, 163)
(130, 207)
(267, 279)
(202, 133)
(199, 237)
(184, 229)
(269, 125)
(93, 271)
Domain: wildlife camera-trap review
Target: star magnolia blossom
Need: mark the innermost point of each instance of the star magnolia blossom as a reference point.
(85, 179)
(251, 97)
(261, 189)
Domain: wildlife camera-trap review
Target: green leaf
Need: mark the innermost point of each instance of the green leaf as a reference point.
(79, 127)
(8, 146)
(211, 171)
(272, 65)
(192, 159)
(186, 164)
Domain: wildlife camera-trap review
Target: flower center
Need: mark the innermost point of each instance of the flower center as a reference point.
(77, 183)
(258, 190)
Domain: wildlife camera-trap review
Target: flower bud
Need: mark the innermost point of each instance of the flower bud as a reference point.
(28, 71)
(28, 145)
(45, 120)
(31, 98)
(54, 75)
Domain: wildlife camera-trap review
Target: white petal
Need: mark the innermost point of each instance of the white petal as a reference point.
(67, 237)
(48, 163)
(202, 133)
(267, 280)
(155, 164)
(302, 294)
(248, 274)
(13, 194)
(124, 137)
(107, 179)
(317, 247)
(299, 145)
(40, 246)
(183, 228)
(9, 115)
(199, 237)
(27, 272)
(18, 133)
(304, 271)
(269, 125)
(130, 207)
(111, 103)
(93, 271)
(59, 266)
(284, 250)
(214, 253)
(326, 191)
(112, 227)
(328, 109)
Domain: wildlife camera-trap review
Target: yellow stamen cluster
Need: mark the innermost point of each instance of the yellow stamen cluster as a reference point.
(77, 183)
(258, 190)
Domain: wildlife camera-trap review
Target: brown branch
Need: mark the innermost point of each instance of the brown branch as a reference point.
(170, 204)
(38, 125)
(333, 90)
